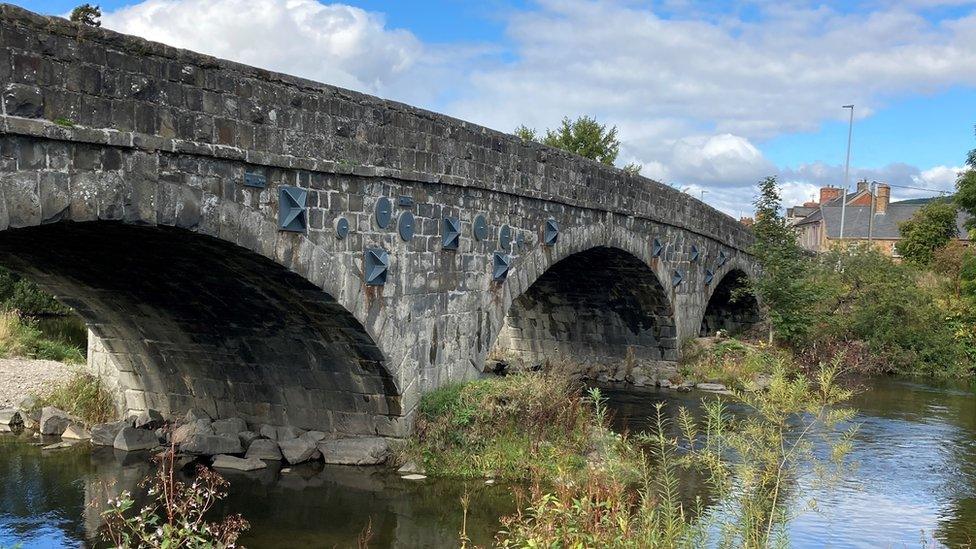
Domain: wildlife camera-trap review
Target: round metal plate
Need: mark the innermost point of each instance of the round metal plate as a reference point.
(384, 212)
(405, 226)
(505, 237)
(480, 227)
(342, 228)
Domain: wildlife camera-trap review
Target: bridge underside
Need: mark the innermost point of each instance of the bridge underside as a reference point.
(599, 306)
(185, 320)
(729, 308)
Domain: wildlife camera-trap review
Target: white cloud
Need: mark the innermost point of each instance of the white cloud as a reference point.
(333, 43)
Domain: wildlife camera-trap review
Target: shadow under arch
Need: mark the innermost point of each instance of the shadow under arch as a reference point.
(728, 310)
(182, 319)
(593, 306)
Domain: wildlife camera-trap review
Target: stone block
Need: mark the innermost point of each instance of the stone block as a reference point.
(104, 434)
(297, 450)
(264, 448)
(131, 439)
(239, 464)
(23, 100)
(355, 451)
(54, 421)
(230, 426)
(211, 445)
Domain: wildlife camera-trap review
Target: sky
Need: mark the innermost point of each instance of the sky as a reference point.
(709, 97)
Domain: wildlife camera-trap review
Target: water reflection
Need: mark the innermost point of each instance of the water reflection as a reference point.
(915, 454)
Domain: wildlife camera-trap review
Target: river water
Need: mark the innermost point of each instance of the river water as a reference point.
(914, 483)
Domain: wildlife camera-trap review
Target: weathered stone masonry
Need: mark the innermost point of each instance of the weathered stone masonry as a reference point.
(124, 171)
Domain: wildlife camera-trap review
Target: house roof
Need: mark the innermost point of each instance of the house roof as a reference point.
(803, 211)
(857, 221)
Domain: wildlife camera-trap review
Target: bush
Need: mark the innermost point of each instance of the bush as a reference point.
(749, 463)
(503, 427)
(176, 515)
(23, 338)
(83, 396)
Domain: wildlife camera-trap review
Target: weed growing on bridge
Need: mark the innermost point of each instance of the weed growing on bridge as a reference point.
(751, 461)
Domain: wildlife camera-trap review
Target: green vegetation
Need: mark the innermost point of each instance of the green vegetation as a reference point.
(23, 338)
(82, 396)
(583, 136)
(966, 190)
(732, 362)
(930, 229)
(517, 427)
(34, 325)
(623, 491)
(87, 14)
(176, 514)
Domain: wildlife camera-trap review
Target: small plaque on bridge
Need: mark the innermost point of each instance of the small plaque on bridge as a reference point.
(256, 180)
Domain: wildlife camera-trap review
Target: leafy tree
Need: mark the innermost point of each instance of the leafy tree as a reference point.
(932, 227)
(23, 296)
(966, 190)
(583, 136)
(87, 14)
(786, 288)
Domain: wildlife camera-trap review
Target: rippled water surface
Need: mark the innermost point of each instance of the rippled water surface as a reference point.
(916, 456)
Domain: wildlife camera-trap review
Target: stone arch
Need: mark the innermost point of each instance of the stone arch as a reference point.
(594, 298)
(726, 311)
(184, 320)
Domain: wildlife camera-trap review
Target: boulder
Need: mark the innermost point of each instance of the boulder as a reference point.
(104, 434)
(411, 468)
(27, 403)
(264, 448)
(641, 380)
(230, 462)
(211, 445)
(714, 387)
(355, 451)
(130, 439)
(198, 427)
(11, 417)
(229, 426)
(194, 414)
(314, 436)
(54, 421)
(149, 419)
(268, 431)
(247, 438)
(76, 431)
(289, 432)
(297, 450)
(664, 383)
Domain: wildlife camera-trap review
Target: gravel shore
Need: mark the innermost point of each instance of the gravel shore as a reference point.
(20, 377)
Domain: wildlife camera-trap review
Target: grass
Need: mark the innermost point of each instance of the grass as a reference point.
(518, 427)
(82, 396)
(24, 338)
(732, 362)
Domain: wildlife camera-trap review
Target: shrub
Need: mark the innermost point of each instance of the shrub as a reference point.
(22, 338)
(504, 427)
(176, 515)
(83, 396)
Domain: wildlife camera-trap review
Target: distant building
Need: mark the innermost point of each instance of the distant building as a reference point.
(869, 217)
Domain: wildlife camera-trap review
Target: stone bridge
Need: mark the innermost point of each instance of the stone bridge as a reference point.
(290, 252)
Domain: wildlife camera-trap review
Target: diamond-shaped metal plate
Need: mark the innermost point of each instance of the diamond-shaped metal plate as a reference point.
(551, 233)
(376, 266)
(451, 233)
(677, 278)
(383, 212)
(341, 228)
(480, 227)
(722, 258)
(500, 266)
(695, 254)
(291, 209)
(656, 248)
(405, 226)
(709, 277)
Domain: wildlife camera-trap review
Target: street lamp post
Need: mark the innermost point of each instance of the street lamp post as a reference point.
(847, 171)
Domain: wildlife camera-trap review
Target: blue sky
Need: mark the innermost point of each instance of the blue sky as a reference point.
(706, 95)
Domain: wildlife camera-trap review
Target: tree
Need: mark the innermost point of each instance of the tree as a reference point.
(966, 190)
(87, 14)
(633, 168)
(786, 289)
(931, 228)
(583, 136)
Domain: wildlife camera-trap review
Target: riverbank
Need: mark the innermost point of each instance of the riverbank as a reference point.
(23, 377)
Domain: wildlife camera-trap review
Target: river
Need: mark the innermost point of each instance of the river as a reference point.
(914, 479)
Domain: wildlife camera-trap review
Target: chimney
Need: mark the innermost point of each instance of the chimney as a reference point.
(828, 193)
(883, 199)
(862, 185)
